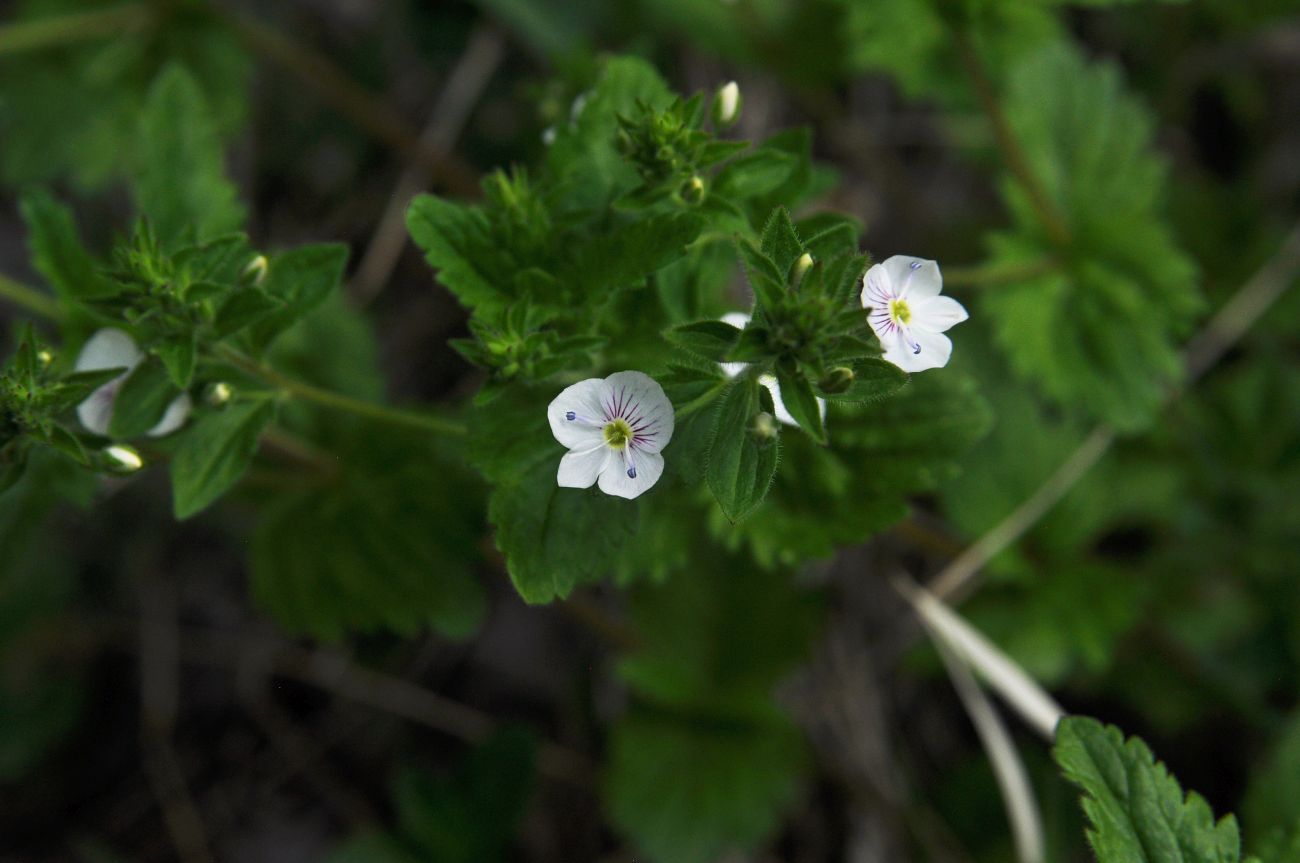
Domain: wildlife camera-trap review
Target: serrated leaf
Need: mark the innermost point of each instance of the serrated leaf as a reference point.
(142, 399)
(180, 178)
(1136, 810)
(214, 453)
(780, 242)
(56, 250)
(373, 549)
(557, 538)
(630, 253)
(873, 380)
(300, 280)
(457, 243)
(767, 282)
(1100, 333)
(708, 340)
(688, 792)
(740, 467)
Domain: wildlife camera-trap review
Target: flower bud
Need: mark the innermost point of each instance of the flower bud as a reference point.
(218, 394)
(693, 190)
(123, 459)
(800, 267)
(837, 380)
(726, 104)
(44, 357)
(256, 269)
(764, 428)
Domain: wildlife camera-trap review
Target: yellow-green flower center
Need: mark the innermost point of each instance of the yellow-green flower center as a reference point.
(617, 434)
(899, 312)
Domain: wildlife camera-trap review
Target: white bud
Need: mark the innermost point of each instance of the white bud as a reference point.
(726, 104)
(125, 458)
(219, 394)
(256, 269)
(800, 267)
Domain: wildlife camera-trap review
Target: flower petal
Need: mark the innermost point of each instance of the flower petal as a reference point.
(638, 398)
(96, 412)
(615, 480)
(580, 467)
(174, 417)
(936, 314)
(583, 400)
(108, 349)
(934, 353)
(877, 288)
(914, 279)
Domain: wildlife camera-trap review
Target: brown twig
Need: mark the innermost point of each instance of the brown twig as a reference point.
(464, 86)
(336, 89)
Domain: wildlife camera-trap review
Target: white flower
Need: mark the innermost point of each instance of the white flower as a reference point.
(112, 349)
(614, 429)
(908, 314)
(740, 320)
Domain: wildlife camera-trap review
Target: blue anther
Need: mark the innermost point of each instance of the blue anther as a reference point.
(570, 416)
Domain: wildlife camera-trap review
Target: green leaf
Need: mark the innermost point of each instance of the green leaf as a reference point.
(688, 792)
(740, 467)
(557, 538)
(299, 280)
(634, 251)
(180, 180)
(768, 282)
(178, 355)
(458, 244)
(1136, 810)
(214, 453)
(142, 400)
(243, 308)
(754, 174)
(56, 250)
(798, 397)
(373, 549)
(708, 340)
(1100, 334)
(873, 380)
(780, 242)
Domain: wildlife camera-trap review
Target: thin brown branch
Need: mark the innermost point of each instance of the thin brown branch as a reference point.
(338, 90)
(464, 86)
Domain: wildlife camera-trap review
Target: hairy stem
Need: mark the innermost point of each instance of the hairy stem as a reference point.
(58, 30)
(1012, 153)
(338, 401)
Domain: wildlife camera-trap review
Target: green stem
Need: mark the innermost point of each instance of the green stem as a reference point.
(1015, 157)
(338, 401)
(987, 276)
(700, 401)
(64, 29)
(30, 299)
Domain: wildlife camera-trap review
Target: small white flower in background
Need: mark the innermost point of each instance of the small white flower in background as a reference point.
(112, 349)
(615, 429)
(726, 104)
(740, 320)
(908, 314)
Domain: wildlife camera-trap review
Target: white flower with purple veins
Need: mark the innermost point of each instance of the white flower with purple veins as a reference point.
(908, 314)
(615, 429)
(112, 349)
(740, 320)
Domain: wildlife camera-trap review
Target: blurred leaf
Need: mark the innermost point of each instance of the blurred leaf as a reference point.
(56, 250)
(298, 281)
(628, 254)
(1099, 335)
(180, 176)
(374, 548)
(689, 791)
(213, 454)
(1136, 809)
